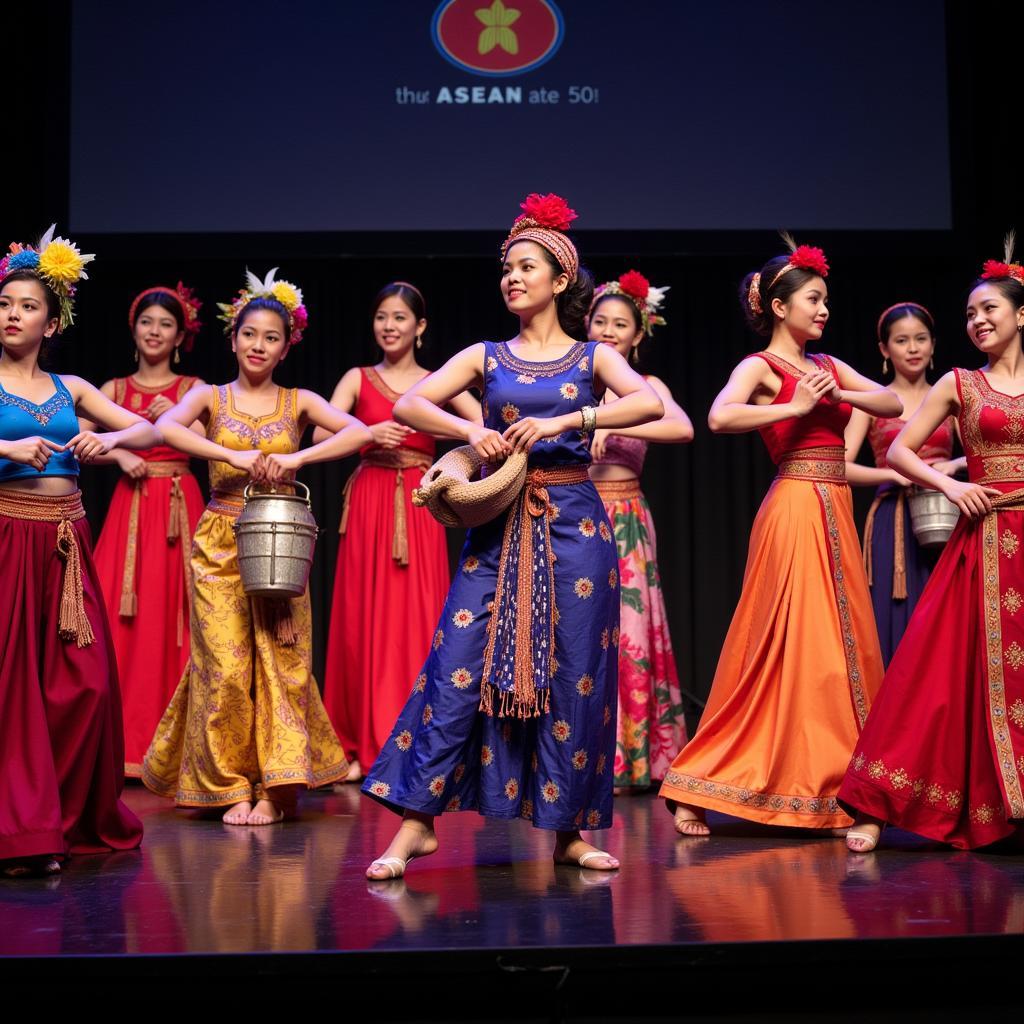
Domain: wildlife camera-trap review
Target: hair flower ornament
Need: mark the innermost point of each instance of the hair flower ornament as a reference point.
(190, 306)
(635, 288)
(544, 220)
(284, 292)
(1005, 267)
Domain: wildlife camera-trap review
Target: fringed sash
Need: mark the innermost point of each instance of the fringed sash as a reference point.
(398, 459)
(177, 527)
(519, 659)
(64, 510)
(899, 560)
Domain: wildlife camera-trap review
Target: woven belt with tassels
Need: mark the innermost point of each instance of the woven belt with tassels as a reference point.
(64, 509)
(519, 659)
(397, 459)
(177, 527)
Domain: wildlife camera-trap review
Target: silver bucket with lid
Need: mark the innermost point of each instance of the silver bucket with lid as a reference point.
(276, 535)
(932, 515)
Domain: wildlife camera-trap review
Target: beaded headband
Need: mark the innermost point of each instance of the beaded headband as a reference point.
(58, 264)
(544, 220)
(902, 305)
(635, 288)
(284, 292)
(190, 307)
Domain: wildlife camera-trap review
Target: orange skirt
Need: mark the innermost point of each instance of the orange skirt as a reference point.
(798, 671)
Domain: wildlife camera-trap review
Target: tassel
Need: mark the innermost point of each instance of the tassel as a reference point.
(129, 606)
(284, 627)
(346, 497)
(73, 623)
(869, 532)
(400, 538)
(899, 567)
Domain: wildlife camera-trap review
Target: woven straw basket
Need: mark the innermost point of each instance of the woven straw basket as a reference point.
(456, 495)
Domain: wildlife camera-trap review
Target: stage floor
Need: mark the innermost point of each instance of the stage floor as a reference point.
(202, 887)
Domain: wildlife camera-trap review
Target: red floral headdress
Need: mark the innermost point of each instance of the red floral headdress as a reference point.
(190, 306)
(544, 220)
(1005, 268)
(634, 287)
(802, 257)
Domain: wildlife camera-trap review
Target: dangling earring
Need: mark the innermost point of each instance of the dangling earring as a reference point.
(136, 355)
(419, 341)
(177, 355)
(885, 366)
(931, 363)
(635, 354)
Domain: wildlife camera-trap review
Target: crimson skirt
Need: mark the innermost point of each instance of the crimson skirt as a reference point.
(61, 741)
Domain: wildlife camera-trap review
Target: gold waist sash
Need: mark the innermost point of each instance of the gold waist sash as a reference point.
(826, 465)
(618, 490)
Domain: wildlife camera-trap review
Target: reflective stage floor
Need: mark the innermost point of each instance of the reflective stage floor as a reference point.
(751, 905)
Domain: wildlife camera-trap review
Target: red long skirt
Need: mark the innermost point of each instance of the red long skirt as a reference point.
(942, 753)
(152, 647)
(61, 745)
(383, 614)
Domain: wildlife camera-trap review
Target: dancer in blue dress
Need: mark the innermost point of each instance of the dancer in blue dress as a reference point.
(513, 714)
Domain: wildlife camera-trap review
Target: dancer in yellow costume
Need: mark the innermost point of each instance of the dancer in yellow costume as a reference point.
(246, 727)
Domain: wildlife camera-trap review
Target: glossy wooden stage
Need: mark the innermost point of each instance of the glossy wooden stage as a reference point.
(751, 909)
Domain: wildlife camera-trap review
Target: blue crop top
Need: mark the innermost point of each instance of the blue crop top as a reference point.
(55, 420)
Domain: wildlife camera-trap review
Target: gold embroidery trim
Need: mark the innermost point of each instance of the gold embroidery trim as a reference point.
(827, 464)
(816, 805)
(618, 490)
(860, 701)
(996, 682)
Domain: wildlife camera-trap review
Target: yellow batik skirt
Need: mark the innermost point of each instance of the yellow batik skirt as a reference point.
(247, 714)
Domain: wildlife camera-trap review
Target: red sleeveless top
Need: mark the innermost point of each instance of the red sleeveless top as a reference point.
(376, 403)
(992, 432)
(822, 427)
(137, 398)
(883, 431)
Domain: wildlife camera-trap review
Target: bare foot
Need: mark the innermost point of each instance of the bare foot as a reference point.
(688, 823)
(237, 815)
(31, 867)
(415, 838)
(864, 834)
(572, 848)
(355, 772)
(266, 812)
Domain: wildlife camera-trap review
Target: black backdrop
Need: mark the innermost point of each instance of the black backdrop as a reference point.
(704, 496)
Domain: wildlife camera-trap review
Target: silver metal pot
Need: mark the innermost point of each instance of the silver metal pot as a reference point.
(276, 535)
(932, 516)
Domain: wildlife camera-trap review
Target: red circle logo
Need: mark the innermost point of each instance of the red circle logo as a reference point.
(497, 37)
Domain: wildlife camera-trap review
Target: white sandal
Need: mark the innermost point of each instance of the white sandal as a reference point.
(866, 837)
(389, 863)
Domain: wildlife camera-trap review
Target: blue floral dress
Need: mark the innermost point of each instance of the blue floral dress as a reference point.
(513, 714)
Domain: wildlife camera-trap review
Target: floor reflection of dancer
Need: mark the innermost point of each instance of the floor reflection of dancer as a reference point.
(897, 566)
(514, 712)
(943, 750)
(61, 744)
(651, 727)
(392, 573)
(800, 663)
(143, 549)
(246, 728)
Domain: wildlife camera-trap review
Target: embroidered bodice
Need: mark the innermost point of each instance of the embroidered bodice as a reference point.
(822, 427)
(629, 452)
(376, 403)
(137, 398)
(992, 431)
(54, 419)
(515, 388)
(276, 432)
(883, 431)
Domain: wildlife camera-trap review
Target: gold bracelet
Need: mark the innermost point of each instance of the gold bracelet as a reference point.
(589, 416)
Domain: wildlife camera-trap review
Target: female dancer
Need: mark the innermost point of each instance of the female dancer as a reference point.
(943, 750)
(393, 558)
(152, 517)
(61, 746)
(514, 711)
(800, 664)
(897, 566)
(651, 729)
(246, 727)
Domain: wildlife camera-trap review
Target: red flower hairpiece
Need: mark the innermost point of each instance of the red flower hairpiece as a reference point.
(809, 257)
(633, 283)
(998, 269)
(548, 211)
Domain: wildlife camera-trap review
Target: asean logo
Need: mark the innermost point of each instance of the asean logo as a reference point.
(497, 39)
